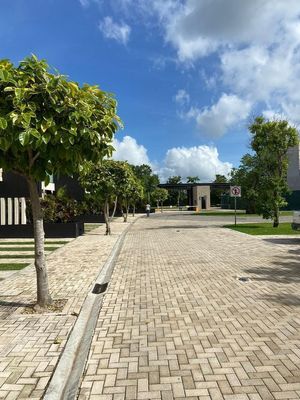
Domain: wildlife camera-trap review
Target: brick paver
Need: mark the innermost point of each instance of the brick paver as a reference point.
(176, 322)
(31, 344)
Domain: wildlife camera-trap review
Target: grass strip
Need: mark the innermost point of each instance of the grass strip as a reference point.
(12, 266)
(239, 213)
(25, 248)
(16, 256)
(32, 242)
(265, 228)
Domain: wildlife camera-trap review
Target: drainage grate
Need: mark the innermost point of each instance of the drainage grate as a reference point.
(243, 279)
(100, 288)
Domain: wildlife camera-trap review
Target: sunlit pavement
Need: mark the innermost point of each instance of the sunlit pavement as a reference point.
(197, 311)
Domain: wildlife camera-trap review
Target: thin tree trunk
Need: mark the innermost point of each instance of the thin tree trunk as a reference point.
(43, 294)
(106, 218)
(161, 206)
(125, 214)
(133, 210)
(276, 218)
(115, 208)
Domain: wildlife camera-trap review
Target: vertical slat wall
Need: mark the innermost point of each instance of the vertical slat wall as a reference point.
(12, 211)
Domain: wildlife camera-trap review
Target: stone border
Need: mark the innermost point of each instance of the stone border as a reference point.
(66, 378)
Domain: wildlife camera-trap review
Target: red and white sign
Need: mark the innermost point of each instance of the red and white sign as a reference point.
(235, 191)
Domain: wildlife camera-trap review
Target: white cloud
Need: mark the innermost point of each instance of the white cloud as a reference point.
(201, 161)
(256, 45)
(129, 150)
(113, 30)
(87, 3)
(84, 3)
(216, 120)
(182, 97)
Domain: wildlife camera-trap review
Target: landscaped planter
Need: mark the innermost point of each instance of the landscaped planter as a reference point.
(52, 230)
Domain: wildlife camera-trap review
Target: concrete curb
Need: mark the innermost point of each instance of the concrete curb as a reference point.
(66, 378)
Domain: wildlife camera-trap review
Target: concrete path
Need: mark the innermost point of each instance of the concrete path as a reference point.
(30, 344)
(177, 322)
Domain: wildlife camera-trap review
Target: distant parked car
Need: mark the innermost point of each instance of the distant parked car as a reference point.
(296, 220)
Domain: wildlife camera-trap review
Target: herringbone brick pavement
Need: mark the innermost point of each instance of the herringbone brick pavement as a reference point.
(30, 345)
(177, 323)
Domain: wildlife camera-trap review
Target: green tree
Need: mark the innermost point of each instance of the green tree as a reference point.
(175, 195)
(159, 195)
(271, 141)
(107, 181)
(136, 194)
(192, 179)
(50, 125)
(247, 176)
(130, 189)
(148, 179)
(215, 194)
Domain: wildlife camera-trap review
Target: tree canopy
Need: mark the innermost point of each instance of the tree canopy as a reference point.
(271, 141)
(50, 125)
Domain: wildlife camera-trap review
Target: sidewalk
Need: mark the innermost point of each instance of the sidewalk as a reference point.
(30, 344)
(177, 322)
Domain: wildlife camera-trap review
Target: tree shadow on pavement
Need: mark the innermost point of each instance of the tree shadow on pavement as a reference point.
(285, 270)
(5, 303)
(289, 241)
(288, 299)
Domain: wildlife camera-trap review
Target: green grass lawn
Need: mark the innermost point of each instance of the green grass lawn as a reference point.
(239, 213)
(25, 248)
(47, 242)
(12, 266)
(17, 255)
(265, 228)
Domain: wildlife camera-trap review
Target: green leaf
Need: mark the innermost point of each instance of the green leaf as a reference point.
(47, 180)
(24, 138)
(4, 75)
(19, 93)
(34, 132)
(9, 89)
(44, 126)
(46, 138)
(3, 123)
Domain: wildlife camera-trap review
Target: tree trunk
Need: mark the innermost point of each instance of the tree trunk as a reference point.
(161, 206)
(106, 218)
(114, 210)
(133, 210)
(125, 214)
(276, 218)
(43, 294)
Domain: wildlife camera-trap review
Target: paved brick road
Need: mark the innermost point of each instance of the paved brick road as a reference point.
(30, 344)
(176, 322)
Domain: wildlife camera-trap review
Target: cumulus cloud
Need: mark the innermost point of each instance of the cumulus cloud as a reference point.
(216, 120)
(182, 97)
(112, 30)
(201, 161)
(129, 150)
(256, 44)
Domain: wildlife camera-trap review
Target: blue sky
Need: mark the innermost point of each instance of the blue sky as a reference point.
(189, 75)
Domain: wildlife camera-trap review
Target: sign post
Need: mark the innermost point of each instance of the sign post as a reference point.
(235, 191)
